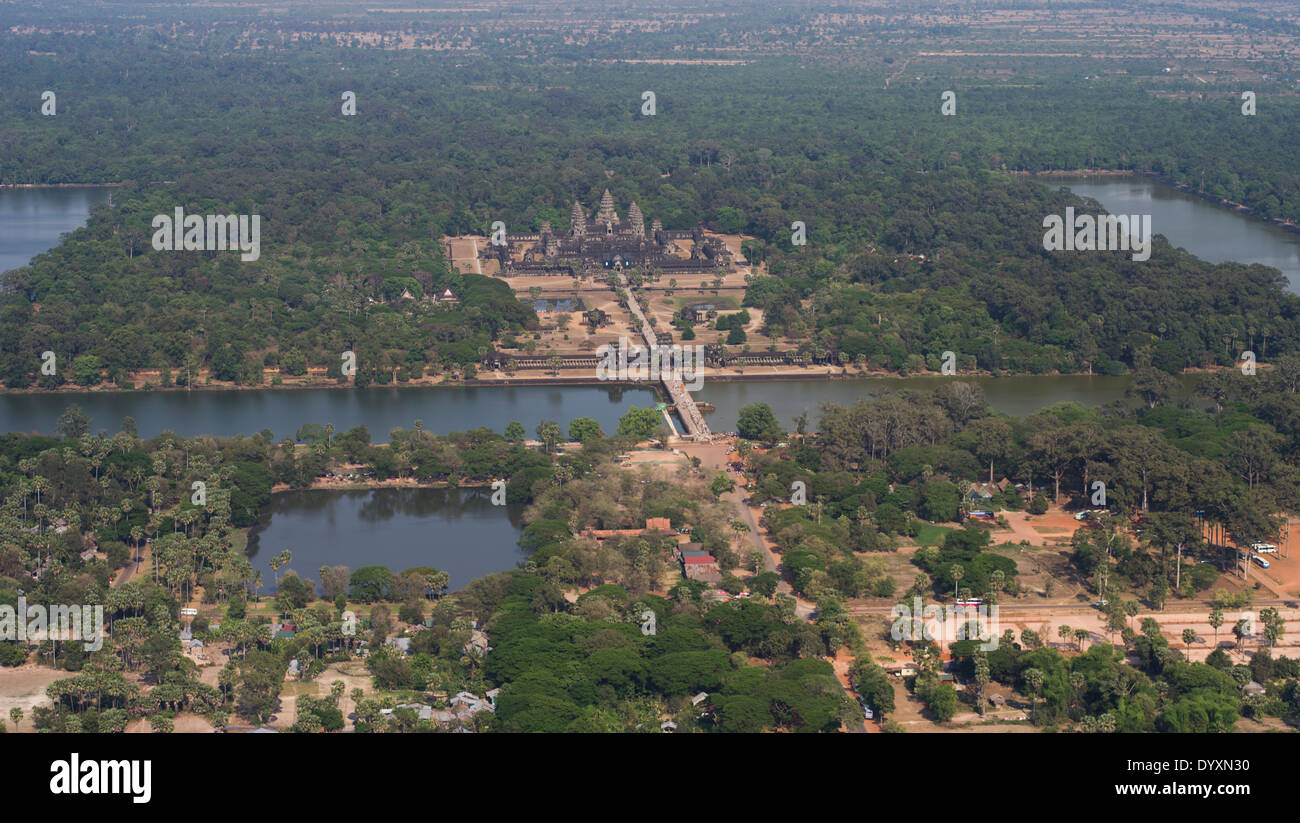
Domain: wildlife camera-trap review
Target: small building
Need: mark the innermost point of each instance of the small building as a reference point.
(703, 568)
(668, 727)
(682, 549)
(980, 492)
(402, 644)
(659, 524)
(1253, 689)
(422, 711)
(700, 312)
(447, 296)
(478, 644)
(463, 706)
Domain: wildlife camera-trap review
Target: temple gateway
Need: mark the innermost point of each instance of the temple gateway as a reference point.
(607, 241)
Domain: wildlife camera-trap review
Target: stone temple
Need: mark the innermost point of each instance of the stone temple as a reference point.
(607, 241)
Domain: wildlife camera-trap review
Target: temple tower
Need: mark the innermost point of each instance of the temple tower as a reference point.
(578, 220)
(638, 222)
(607, 216)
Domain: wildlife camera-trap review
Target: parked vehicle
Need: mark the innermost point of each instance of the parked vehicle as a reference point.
(1264, 548)
(1259, 561)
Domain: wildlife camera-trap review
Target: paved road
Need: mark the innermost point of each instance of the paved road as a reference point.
(681, 398)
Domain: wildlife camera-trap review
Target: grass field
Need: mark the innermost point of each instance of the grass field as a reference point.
(931, 535)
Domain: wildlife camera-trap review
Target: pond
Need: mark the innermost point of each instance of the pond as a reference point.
(456, 530)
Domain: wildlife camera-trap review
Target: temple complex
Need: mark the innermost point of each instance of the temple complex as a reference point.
(608, 241)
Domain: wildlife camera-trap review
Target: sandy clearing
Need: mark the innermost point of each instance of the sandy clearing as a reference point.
(24, 688)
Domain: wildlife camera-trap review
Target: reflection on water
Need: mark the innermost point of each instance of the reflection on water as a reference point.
(1209, 231)
(456, 530)
(31, 220)
(1017, 396)
(552, 304)
(443, 409)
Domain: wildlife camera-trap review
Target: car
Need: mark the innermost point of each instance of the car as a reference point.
(1083, 515)
(1101, 604)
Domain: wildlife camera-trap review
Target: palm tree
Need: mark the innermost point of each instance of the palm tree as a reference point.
(1241, 630)
(739, 527)
(997, 582)
(1216, 620)
(1033, 679)
(982, 677)
(957, 574)
(1131, 609)
(1189, 637)
(1081, 636)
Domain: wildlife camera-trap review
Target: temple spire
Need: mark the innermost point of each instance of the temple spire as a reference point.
(634, 217)
(578, 220)
(607, 215)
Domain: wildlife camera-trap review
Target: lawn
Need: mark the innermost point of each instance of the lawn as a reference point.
(929, 534)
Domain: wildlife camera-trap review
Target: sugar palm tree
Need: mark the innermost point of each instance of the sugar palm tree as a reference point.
(1081, 636)
(1034, 679)
(739, 527)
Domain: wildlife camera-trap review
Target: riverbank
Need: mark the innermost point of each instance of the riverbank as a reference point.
(60, 185)
(339, 485)
(584, 377)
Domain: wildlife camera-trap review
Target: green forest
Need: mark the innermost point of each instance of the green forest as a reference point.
(353, 208)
